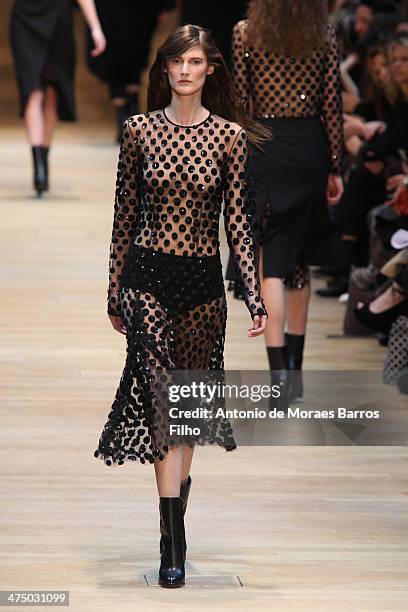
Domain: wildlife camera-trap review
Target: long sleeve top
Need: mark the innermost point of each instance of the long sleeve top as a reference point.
(173, 183)
(284, 86)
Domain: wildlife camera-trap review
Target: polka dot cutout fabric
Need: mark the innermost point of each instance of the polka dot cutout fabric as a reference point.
(284, 86)
(165, 274)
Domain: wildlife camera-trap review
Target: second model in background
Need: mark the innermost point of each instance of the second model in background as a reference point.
(292, 85)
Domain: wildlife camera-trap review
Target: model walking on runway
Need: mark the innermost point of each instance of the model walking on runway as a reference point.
(43, 46)
(181, 165)
(286, 65)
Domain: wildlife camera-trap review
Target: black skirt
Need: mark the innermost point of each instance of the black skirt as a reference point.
(289, 180)
(43, 46)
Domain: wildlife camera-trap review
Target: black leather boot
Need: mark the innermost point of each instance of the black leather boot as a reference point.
(277, 357)
(184, 493)
(45, 151)
(171, 572)
(39, 179)
(295, 345)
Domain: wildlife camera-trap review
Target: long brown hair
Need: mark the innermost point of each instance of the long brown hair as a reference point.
(219, 93)
(288, 27)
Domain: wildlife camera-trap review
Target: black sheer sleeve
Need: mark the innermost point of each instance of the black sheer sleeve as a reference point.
(126, 212)
(240, 68)
(332, 104)
(238, 222)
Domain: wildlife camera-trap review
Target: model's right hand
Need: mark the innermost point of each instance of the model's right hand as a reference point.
(117, 324)
(99, 41)
(258, 326)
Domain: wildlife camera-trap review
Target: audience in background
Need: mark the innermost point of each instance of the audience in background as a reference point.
(373, 212)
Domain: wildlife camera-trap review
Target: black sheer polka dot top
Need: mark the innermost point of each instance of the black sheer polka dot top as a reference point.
(173, 183)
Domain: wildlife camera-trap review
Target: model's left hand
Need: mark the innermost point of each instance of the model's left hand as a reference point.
(99, 42)
(334, 189)
(258, 326)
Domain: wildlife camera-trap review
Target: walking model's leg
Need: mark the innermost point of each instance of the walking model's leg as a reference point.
(35, 125)
(188, 453)
(50, 114)
(273, 294)
(50, 121)
(298, 298)
(168, 473)
(34, 118)
(297, 309)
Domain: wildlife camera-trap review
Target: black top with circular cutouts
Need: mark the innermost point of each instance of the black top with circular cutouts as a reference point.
(171, 183)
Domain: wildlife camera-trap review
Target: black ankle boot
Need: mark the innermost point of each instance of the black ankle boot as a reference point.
(39, 179)
(184, 493)
(171, 573)
(295, 345)
(277, 357)
(45, 151)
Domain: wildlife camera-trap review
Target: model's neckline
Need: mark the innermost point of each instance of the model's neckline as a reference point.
(193, 125)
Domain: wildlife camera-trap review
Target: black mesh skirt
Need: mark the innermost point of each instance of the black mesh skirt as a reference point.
(174, 309)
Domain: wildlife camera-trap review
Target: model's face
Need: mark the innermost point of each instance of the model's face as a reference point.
(379, 69)
(364, 17)
(399, 64)
(187, 73)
